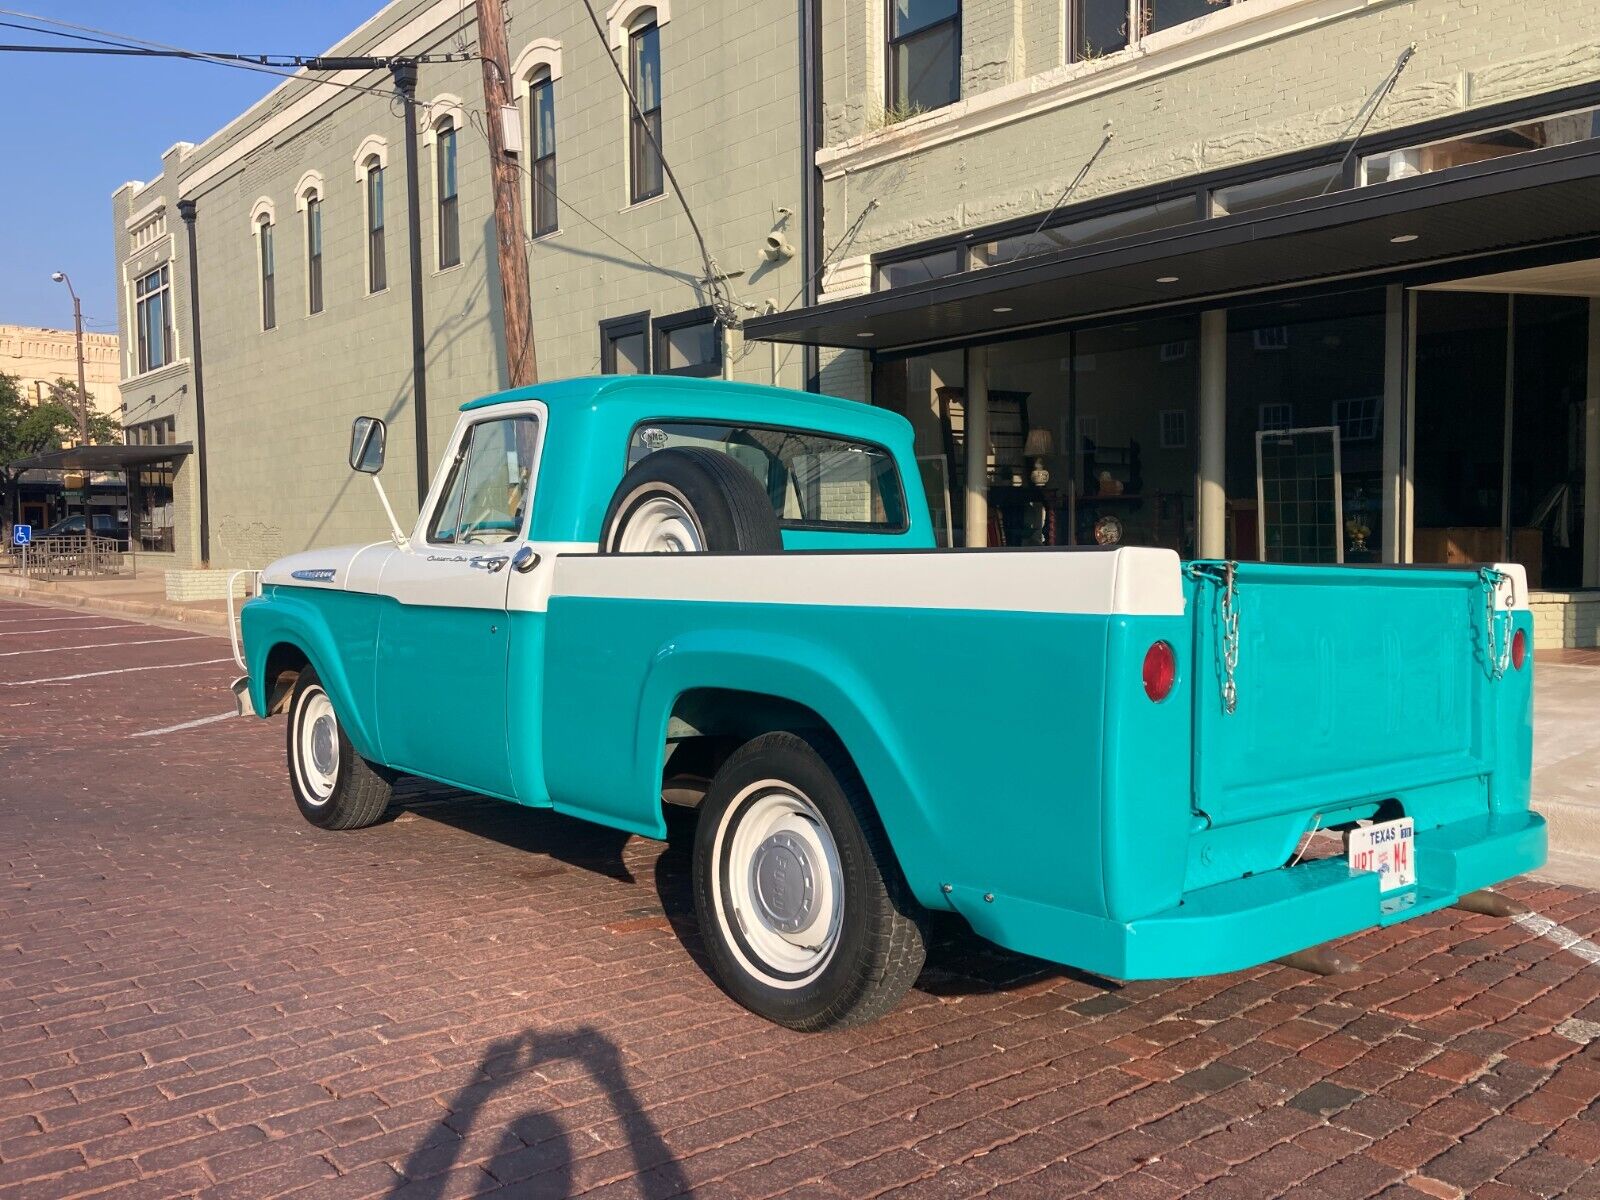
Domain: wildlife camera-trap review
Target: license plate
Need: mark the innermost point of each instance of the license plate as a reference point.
(1389, 848)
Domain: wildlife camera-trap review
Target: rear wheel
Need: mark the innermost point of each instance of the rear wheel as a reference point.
(334, 787)
(806, 917)
(686, 499)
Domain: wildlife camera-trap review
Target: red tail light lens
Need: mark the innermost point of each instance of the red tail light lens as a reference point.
(1519, 649)
(1160, 671)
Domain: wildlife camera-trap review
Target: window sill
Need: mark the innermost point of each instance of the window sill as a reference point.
(1226, 31)
(383, 291)
(546, 237)
(155, 373)
(645, 203)
(455, 266)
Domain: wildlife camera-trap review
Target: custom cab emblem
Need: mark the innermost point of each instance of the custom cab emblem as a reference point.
(316, 574)
(654, 439)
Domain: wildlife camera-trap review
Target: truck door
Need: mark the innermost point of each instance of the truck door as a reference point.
(444, 635)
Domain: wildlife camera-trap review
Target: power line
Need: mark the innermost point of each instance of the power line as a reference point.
(101, 45)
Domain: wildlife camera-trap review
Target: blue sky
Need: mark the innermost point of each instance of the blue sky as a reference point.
(78, 126)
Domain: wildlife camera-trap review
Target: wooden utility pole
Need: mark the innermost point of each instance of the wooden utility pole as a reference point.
(522, 363)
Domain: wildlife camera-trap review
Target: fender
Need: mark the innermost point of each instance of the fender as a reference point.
(280, 617)
(808, 673)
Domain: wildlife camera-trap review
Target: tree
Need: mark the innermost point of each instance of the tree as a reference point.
(28, 429)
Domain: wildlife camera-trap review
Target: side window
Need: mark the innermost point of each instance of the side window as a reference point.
(486, 498)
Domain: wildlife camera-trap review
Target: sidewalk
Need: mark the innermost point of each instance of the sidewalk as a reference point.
(143, 596)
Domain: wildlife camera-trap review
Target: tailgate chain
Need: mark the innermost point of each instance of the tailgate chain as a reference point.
(1496, 649)
(1229, 612)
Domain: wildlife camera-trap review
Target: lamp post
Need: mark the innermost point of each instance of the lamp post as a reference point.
(83, 414)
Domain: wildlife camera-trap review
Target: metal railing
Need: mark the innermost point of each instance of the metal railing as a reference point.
(73, 556)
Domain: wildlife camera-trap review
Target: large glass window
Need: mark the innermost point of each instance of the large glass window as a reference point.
(449, 201)
(1499, 467)
(1100, 27)
(924, 55)
(1149, 218)
(1275, 189)
(313, 254)
(927, 390)
(924, 267)
(688, 344)
(813, 481)
(1305, 389)
(264, 252)
(377, 254)
(644, 77)
(486, 498)
(542, 125)
(153, 318)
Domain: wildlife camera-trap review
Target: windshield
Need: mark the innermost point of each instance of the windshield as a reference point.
(812, 479)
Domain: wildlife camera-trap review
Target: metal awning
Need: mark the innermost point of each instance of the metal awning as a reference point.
(103, 458)
(1541, 198)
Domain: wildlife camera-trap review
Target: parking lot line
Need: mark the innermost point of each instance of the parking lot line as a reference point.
(48, 632)
(66, 617)
(206, 662)
(1560, 935)
(185, 725)
(193, 637)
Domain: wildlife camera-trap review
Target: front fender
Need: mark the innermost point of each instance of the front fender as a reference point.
(809, 673)
(298, 617)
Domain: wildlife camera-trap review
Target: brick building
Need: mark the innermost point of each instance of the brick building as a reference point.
(1236, 336)
(39, 357)
(298, 312)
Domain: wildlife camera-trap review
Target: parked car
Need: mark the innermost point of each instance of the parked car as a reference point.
(1104, 757)
(105, 526)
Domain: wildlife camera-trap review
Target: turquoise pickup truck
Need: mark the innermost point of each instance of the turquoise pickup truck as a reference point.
(629, 592)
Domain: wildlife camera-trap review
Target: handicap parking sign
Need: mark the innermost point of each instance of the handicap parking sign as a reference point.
(22, 535)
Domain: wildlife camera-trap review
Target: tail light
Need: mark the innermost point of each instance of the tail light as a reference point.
(1519, 649)
(1160, 671)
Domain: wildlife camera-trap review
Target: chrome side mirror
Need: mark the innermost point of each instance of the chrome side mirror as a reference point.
(368, 438)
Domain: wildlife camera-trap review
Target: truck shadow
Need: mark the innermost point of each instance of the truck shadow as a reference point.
(960, 963)
(534, 1150)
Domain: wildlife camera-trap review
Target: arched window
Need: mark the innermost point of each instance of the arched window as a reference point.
(264, 253)
(377, 254)
(542, 140)
(444, 151)
(313, 207)
(644, 77)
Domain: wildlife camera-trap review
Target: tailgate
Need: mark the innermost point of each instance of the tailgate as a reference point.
(1351, 684)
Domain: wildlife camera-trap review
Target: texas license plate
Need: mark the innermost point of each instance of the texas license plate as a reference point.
(1389, 848)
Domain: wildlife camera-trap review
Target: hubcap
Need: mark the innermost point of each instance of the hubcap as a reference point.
(659, 525)
(316, 758)
(780, 889)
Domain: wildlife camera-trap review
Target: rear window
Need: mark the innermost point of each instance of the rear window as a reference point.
(814, 481)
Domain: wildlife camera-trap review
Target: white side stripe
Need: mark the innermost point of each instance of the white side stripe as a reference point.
(227, 716)
(1560, 935)
(205, 662)
(193, 637)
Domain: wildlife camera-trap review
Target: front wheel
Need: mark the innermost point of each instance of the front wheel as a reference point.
(806, 917)
(334, 787)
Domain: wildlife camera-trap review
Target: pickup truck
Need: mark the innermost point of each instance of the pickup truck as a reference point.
(627, 592)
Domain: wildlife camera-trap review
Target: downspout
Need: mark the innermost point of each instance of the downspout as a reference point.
(810, 176)
(186, 210)
(405, 78)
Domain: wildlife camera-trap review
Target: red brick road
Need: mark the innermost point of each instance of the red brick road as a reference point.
(202, 994)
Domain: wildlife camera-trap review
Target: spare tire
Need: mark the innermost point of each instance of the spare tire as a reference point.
(687, 499)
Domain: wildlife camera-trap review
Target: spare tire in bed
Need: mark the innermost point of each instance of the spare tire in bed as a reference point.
(687, 499)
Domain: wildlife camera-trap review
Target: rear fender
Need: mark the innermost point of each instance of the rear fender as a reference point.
(280, 618)
(807, 673)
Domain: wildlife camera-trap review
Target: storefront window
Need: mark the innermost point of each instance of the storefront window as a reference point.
(1148, 218)
(926, 390)
(1486, 363)
(150, 506)
(1559, 130)
(1276, 189)
(1305, 393)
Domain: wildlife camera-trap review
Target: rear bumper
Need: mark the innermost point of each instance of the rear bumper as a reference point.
(1245, 922)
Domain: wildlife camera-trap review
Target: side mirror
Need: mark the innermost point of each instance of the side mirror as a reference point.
(368, 436)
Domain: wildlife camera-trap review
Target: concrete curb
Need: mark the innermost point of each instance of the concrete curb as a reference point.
(1574, 826)
(49, 594)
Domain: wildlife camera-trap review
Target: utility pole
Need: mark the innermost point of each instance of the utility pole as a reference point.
(405, 78)
(522, 364)
(83, 389)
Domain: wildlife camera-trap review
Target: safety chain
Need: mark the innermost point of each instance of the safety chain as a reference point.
(1496, 649)
(1229, 613)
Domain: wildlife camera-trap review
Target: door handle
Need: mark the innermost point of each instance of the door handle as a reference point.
(488, 562)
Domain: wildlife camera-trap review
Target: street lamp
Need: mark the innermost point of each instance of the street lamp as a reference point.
(83, 412)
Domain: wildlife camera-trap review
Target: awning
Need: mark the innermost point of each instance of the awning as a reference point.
(103, 458)
(1482, 211)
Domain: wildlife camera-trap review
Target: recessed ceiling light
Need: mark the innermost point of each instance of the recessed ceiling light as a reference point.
(864, 335)
(1002, 308)
(1400, 239)
(1166, 279)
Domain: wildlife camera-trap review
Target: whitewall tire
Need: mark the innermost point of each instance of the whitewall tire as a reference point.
(334, 787)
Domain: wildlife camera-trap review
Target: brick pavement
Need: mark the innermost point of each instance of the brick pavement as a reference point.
(203, 995)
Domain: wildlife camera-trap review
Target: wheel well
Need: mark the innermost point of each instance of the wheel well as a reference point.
(284, 663)
(708, 724)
